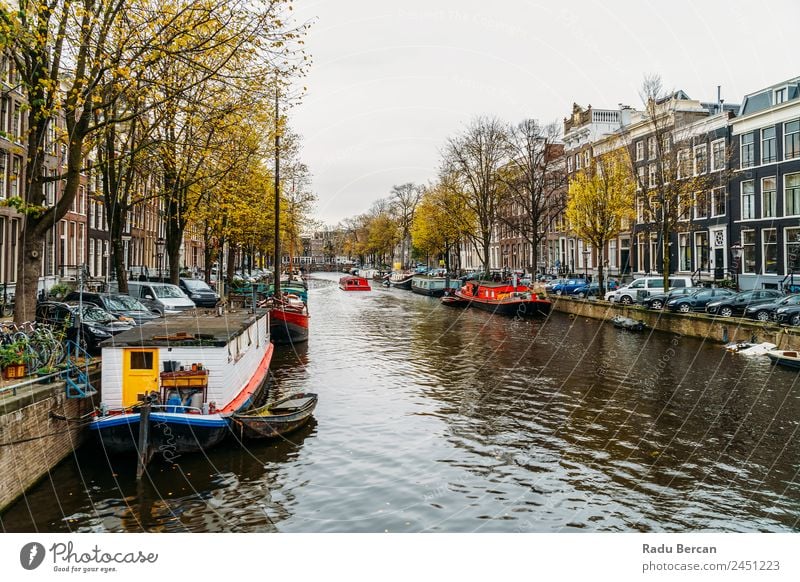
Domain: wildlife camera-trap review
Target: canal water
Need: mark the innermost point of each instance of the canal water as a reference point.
(437, 419)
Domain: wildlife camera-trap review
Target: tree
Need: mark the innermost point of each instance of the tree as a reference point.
(600, 201)
(403, 203)
(535, 180)
(438, 223)
(471, 169)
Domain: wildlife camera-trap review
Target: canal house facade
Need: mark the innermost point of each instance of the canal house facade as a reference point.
(765, 186)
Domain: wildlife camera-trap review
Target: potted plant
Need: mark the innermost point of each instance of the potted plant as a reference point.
(13, 360)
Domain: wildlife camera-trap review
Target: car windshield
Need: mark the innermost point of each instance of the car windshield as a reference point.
(196, 285)
(168, 291)
(124, 303)
(790, 300)
(94, 313)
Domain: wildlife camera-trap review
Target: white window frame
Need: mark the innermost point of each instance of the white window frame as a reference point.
(741, 199)
(712, 162)
(754, 244)
(752, 145)
(764, 248)
(786, 197)
(774, 145)
(786, 269)
(651, 176)
(639, 150)
(652, 150)
(783, 91)
(698, 197)
(704, 149)
(785, 135)
(774, 191)
(685, 237)
(715, 192)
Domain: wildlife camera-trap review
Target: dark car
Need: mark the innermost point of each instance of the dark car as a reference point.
(788, 315)
(96, 324)
(659, 300)
(736, 304)
(697, 301)
(568, 286)
(593, 289)
(120, 305)
(765, 311)
(199, 292)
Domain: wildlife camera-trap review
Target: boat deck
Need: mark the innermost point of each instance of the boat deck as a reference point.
(187, 330)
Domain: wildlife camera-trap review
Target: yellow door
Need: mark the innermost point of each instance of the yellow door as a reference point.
(139, 374)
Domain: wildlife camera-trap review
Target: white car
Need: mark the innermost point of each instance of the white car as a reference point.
(640, 288)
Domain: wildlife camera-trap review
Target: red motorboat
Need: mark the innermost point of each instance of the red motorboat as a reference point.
(504, 298)
(353, 283)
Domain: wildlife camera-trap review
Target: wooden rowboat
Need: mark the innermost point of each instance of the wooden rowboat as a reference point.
(277, 418)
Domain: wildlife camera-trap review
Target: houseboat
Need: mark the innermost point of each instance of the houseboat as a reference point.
(433, 286)
(400, 280)
(197, 371)
(505, 298)
(353, 283)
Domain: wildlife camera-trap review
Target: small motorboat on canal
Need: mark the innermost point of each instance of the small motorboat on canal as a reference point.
(277, 418)
(206, 378)
(433, 286)
(790, 359)
(505, 298)
(452, 300)
(627, 323)
(354, 283)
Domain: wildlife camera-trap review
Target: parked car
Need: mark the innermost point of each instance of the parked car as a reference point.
(123, 306)
(568, 286)
(643, 287)
(788, 315)
(199, 292)
(96, 324)
(552, 283)
(593, 289)
(697, 301)
(160, 298)
(736, 304)
(765, 311)
(659, 300)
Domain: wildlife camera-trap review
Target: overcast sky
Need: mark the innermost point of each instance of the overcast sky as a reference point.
(392, 80)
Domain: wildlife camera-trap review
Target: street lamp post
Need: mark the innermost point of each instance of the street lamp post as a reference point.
(736, 252)
(160, 244)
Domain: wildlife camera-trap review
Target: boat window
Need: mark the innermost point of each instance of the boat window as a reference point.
(141, 360)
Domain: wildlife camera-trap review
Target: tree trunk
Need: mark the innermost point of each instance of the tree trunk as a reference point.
(665, 253)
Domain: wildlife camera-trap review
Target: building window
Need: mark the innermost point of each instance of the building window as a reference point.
(612, 253)
(16, 178)
(792, 238)
(640, 251)
(791, 140)
(13, 255)
(640, 182)
(769, 250)
(780, 95)
(718, 155)
(665, 144)
(577, 161)
(3, 170)
(684, 253)
(749, 251)
(651, 176)
(769, 150)
(768, 198)
(652, 151)
(701, 250)
(791, 194)
(683, 164)
(700, 160)
(569, 163)
(654, 263)
(748, 201)
(586, 157)
(747, 158)
(685, 204)
(700, 205)
(639, 151)
(718, 202)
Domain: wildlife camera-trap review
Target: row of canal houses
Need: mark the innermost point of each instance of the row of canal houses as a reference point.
(746, 226)
(81, 239)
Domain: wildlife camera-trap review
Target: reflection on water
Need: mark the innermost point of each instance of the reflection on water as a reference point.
(438, 419)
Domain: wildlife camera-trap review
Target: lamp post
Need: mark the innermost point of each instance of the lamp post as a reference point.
(160, 244)
(736, 252)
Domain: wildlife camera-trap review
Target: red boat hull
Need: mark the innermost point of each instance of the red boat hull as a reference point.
(288, 325)
(352, 283)
(503, 299)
